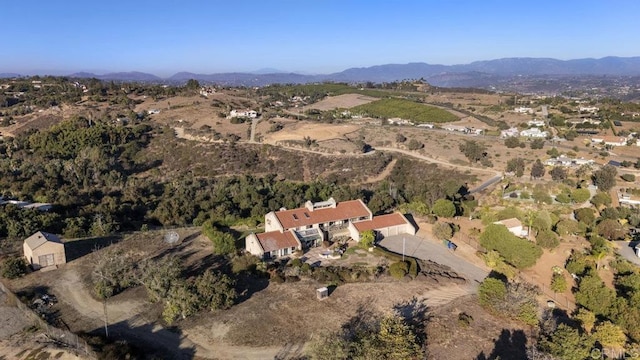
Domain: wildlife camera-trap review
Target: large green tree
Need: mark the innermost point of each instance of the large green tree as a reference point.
(605, 178)
(473, 150)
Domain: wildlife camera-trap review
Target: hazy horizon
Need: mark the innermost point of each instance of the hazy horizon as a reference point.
(310, 37)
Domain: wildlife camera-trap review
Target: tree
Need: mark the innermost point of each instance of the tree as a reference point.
(492, 292)
(13, 267)
(367, 238)
(566, 343)
(516, 165)
(472, 150)
(580, 195)
(553, 152)
(605, 178)
(585, 215)
(414, 144)
(215, 290)
(547, 239)
(558, 173)
(537, 144)
(600, 199)
(537, 169)
(558, 283)
(587, 319)
(512, 142)
(400, 138)
(192, 84)
(518, 252)
(442, 230)
(444, 208)
(611, 229)
(594, 295)
(223, 242)
(610, 335)
(159, 276)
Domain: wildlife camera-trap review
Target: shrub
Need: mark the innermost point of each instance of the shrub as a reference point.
(296, 263)
(558, 283)
(512, 142)
(517, 252)
(563, 198)
(547, 239)
(413, 268)
(492, 292)
(13, 267)
(444, 208)
(629, 177)
(244, 263)
(464, 319)
(399, 269)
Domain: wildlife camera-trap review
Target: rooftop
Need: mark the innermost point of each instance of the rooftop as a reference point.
(304, 216)
(275, 240)
(381, 221)
(509, 223)
(36, 240)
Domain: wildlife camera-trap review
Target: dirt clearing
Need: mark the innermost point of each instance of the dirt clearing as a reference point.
(345, 101)
(318, 132)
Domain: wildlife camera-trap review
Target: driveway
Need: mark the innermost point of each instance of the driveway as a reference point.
(420, 248)
(625, 248)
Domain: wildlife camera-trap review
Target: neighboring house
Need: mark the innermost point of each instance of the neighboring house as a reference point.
(589, 109)
(26, 204)
(523, 110)
(534, 133)
(44, 250)
(514, 225)
(457, 128)
(243, 113)
(536, 123)
(563, 160)
(428, 126)
(609, 140)
(628, 200)
(399, 121)
(511, 132)
(308, 226)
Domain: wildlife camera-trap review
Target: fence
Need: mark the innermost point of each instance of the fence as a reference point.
(59, 336)
(561, 300)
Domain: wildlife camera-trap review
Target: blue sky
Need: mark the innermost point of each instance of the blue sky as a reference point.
(311, 36)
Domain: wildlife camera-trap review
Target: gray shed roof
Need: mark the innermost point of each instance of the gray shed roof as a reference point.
(36, 240)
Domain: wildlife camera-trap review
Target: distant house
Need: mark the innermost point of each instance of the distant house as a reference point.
(514, 225)
(297, 229)
(609, 140)
(626, 199)
(43, 250)
(243, 113)
(536, 123)
(523, 110)
(617, 123)
(589, 109)
(511, 132)
(563, 160)
(533, 133)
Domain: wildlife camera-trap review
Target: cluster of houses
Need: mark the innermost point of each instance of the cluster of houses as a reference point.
(627, 199)
(206, 91)
(287, 231)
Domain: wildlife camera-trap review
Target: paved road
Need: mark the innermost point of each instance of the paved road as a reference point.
(486, 184)
(429, 250)
(627, 252)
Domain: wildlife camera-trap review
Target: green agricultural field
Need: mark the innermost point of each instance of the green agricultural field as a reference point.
(319, 91)
(405, 109)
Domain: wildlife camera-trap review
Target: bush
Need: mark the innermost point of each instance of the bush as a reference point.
(512, 142)
(464, 319)
(399, 269)
(558, 283)
(13, 267)
(492, 292)
(444, 208)
(547, 239)
(629, 177)
(413, 268)
(244, 263)
(517, 252)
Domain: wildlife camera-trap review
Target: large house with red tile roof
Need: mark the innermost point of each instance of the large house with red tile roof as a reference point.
(289, 230)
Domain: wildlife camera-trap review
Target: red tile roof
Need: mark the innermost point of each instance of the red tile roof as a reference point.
(379, 222)
(302, 216)
(275, 240)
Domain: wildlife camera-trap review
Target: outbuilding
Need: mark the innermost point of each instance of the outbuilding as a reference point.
(44, 250)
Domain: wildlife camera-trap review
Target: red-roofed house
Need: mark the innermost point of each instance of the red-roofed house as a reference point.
(273, 244)
(383, 225)
(306, 227)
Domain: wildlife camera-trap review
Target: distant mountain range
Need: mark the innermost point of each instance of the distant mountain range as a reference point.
(479, 73)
